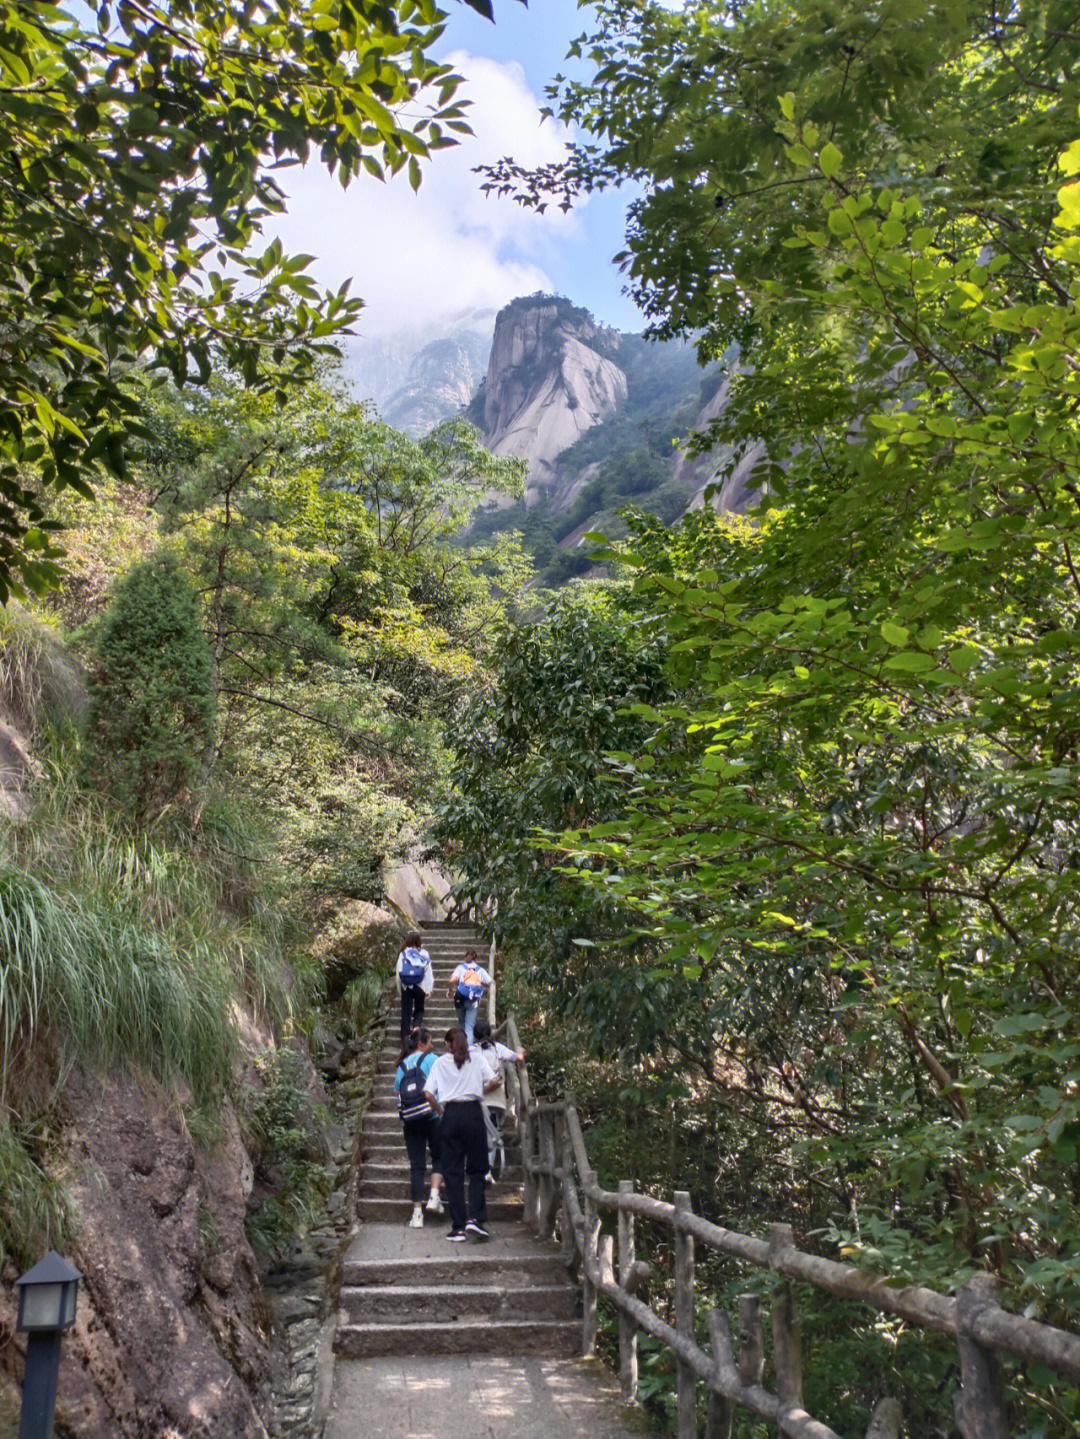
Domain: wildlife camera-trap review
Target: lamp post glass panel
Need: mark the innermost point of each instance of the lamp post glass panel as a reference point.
(47, 1295)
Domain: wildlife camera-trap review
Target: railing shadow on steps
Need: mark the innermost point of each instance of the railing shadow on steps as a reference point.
(557, 1174)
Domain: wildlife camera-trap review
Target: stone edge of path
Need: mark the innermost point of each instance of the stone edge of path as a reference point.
(304, 1299)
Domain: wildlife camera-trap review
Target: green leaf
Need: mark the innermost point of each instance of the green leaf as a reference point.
(830, 160)
(894, 634)
(910, 662)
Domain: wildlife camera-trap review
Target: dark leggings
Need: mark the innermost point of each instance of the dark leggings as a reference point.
(412, 1009)
(463, 1140)
(420, 1136)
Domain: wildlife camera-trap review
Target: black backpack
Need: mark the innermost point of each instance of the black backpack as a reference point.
(410, 1100)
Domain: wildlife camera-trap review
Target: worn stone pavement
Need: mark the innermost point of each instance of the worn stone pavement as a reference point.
(485, 1396)
(444, 1397)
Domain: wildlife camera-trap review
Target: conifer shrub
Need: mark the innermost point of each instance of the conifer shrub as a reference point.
(152, 696)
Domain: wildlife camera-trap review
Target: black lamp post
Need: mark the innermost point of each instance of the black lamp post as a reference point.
(47, 1296)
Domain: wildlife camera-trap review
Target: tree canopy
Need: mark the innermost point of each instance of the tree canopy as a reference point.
(142, 157)
(842, 861)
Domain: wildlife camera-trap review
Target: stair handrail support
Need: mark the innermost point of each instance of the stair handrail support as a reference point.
(555, 1162)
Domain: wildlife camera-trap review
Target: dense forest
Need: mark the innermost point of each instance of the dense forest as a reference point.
(776, 821)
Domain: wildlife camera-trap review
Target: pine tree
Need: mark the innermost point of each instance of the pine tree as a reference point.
(153, 703)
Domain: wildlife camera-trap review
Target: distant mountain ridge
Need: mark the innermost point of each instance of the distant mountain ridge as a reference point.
(418, 377)
(596, 413)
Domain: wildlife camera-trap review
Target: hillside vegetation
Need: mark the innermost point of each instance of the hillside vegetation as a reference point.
(261, 726)
(802, 792)
(777, 823)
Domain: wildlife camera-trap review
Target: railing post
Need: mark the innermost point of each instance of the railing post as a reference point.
(686, 1424)
(529, 1180)
(751, 1341)
(787, 1336)
(721, 1411)
(980, 1404)
(590, 1259)
(886, 1420)
(628, 1346)
(564, 1156)
(545, 1210)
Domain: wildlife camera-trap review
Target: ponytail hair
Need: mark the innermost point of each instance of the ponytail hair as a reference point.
(412, 1042)
(459, 1047)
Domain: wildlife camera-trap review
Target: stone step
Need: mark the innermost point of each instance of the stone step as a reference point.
(383, 1128)
(554, 1338)
(393, 1186)
(401, 1304)
(384, 1125)
(393, 1156)
(462, 1264)
(500, 1208)
(398, 1168)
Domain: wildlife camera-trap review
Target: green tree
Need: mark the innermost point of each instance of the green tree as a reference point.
(346, 620)
(141, 149)
(152, 694)
(529, 755)
(964, 104)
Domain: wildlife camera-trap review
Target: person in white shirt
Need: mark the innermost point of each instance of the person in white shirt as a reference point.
(457, 1083)
(466, 989)
(495, 1104)
(415, 981)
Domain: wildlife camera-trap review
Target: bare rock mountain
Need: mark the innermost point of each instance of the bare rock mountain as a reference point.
(552, 375)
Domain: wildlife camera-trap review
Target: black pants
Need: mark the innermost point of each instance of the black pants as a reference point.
(464, 1151)
(420, 1136)
(412, 1008)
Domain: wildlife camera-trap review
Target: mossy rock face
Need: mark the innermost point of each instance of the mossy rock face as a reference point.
(354, 936)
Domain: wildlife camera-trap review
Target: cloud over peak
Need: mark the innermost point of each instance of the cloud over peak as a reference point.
(449, 248)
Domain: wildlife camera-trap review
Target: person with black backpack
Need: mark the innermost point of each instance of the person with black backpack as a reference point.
(421, 1126)
(415, 980)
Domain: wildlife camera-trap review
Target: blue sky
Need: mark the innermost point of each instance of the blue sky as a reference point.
(450, 249)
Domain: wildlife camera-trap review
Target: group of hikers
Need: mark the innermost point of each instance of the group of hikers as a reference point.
(452, 1105)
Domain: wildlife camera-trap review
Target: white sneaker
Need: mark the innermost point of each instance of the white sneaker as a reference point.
(435, 1204)
(417, 1220)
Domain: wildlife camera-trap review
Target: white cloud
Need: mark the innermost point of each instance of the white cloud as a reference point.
(448, 248)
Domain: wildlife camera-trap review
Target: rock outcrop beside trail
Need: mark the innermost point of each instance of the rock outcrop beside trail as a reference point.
(172, 1333)
(182, 1330)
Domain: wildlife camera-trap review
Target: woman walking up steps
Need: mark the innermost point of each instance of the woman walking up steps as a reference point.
(457, 1083)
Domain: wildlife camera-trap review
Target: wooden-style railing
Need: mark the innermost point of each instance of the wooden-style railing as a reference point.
(557, 1175)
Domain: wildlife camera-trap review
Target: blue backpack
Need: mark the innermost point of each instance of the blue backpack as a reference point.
(470, 986)
(413, 968)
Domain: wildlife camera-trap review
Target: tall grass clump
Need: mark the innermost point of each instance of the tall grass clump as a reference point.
(33, 1205)
(40, 687)
(119, 944)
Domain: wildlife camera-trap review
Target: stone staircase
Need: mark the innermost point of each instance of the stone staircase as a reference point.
(508, 1296)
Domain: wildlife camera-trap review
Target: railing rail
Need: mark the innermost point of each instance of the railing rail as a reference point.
(557, 1174)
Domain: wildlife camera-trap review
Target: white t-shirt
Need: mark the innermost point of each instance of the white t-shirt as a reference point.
(448, 1083)
(500, 1055)
(499, 1051)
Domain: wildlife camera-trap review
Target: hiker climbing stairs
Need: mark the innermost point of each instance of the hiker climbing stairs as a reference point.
(511, 1295)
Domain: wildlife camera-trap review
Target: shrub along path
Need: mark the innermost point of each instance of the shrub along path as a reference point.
(473, 1340)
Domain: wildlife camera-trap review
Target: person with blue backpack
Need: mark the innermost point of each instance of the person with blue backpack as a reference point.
(415, 980)
(421, 1126)
(466, 989)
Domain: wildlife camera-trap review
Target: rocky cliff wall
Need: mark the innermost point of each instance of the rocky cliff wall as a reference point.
(550, 378)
